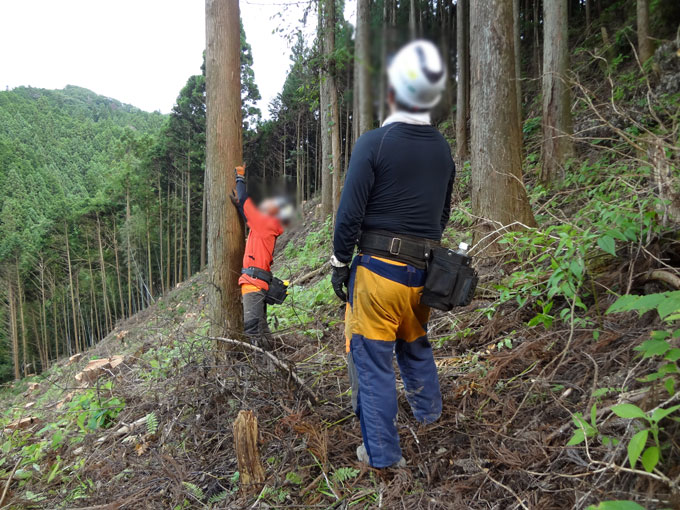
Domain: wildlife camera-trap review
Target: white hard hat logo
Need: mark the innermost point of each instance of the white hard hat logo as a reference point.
(417, 75)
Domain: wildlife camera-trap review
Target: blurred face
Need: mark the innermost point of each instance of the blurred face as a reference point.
(269, 207)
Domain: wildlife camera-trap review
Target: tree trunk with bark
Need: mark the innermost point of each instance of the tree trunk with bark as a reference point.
(499, 198)
(331, 184)
(224, 152)
(13, 330)
(73, 298)
(463, 79)
(557, 126)
(645, 50)
(518, 57)
(362, 56)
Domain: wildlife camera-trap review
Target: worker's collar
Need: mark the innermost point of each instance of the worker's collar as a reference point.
(418, 119)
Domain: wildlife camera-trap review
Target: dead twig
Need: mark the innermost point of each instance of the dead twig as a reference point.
(276, 361)
(308, 276)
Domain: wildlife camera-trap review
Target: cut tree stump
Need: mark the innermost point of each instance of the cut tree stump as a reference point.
(97, 367)
(21, 424)
(247, 453)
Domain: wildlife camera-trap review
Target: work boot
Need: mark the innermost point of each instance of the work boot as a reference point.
(362, 455)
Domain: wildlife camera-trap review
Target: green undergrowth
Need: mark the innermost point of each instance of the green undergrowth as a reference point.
(307, 252)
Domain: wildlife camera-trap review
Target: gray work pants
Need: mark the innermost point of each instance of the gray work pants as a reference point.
(255, 320)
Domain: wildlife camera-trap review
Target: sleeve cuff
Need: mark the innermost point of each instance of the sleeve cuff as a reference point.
(336, 263)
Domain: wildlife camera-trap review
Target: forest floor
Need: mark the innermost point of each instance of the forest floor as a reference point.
(510, 391)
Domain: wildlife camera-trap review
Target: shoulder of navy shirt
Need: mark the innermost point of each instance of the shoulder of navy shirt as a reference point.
(399, 179)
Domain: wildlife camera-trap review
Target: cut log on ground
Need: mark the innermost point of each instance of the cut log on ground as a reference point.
(247, 453)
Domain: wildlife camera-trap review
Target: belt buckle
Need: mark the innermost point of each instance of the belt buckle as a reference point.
(397, 250)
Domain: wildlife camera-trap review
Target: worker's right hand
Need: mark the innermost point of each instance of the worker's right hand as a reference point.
(340, 281)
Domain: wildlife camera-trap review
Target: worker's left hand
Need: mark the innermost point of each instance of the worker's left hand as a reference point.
(340, 281)
(240, 172)
(234, 198)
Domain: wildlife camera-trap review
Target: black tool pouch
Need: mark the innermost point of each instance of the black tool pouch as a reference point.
(450, 280)
(277, 292)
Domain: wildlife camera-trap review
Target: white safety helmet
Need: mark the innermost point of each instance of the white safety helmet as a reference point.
(286, 209)
(417, 75)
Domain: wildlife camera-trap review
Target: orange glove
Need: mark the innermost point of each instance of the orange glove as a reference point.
(240, 170)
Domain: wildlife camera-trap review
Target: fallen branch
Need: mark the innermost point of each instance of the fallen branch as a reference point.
(281, 365)
(9, 480)
(666, 277)
(125, 429)
(308, 276)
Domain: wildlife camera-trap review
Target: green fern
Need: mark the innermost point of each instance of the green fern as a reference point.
(151, 423)
(345, 473)
(216, 498)
(194, 490)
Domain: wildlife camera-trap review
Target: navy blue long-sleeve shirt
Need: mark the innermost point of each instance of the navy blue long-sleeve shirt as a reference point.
(399, 179)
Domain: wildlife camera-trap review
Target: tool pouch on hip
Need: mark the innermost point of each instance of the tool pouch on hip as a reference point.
(450, 280)
(278, 290)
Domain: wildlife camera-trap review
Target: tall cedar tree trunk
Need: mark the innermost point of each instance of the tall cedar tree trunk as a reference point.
(518, 57)
(412, 20)
(331, 183)
(537, 37)
(189, 208)
(14, 333)
(43, 314)
(129, 249)
(204, 225)
(102, 274)
(93, 295)
(160, 233)
(498, 194)
(363, 57)
(55, 321)
(226, 237)
(73, 298)
(382, 79)
(118, 276)
(557, 130)
(180, 249)
(463, 85)
(22, 322)
(444, 47)
(148, 256)
(645, 50)
(298, 162)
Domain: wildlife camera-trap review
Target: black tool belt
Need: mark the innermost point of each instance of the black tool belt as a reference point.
(256, 272)
(410, 250)
(450, 281)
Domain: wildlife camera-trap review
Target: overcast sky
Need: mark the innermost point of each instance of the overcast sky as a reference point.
(140, 52)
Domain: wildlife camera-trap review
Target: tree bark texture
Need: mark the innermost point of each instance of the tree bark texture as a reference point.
(645, 50)
(498, 195)
(330, 121)
(226, 237)
(518, 57)
(363, 58)
(557, 127)
(463, 79)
